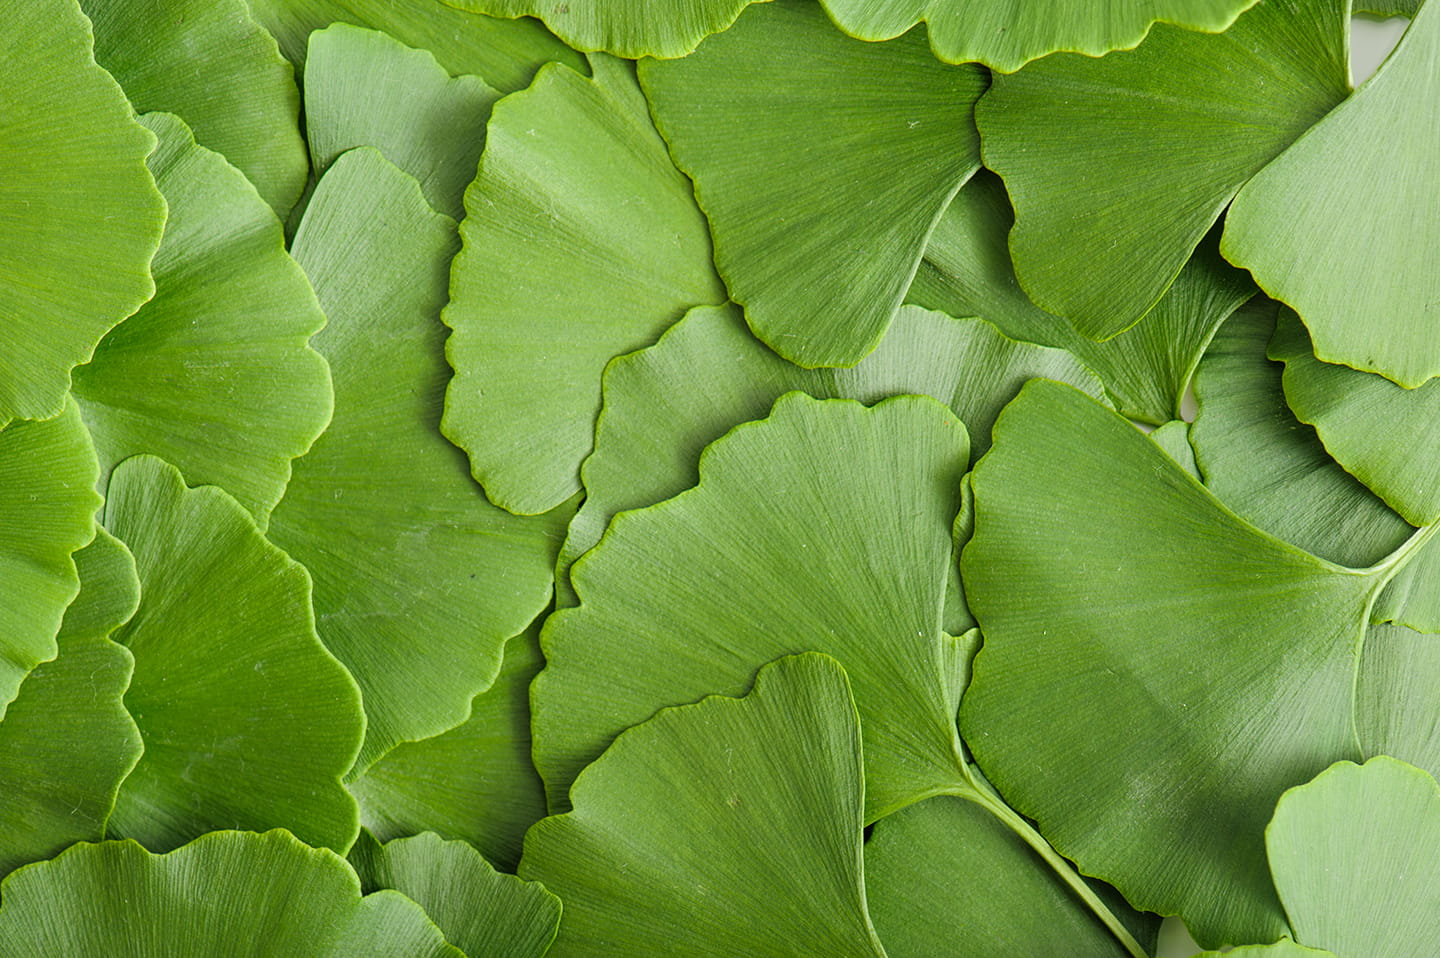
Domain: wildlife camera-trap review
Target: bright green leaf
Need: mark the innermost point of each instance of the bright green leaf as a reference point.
(47, 512)
(1284, 948)
(1395, 711)
(1344, 225)
(82, 216)
(215, 373)
(67, 742)
(1118, 167)
(211, 64)
(820, 246)
(1174, 438)
(482, 912)
(967, 272)
(247, 720)
(1356, 857)
(363, 88)
(733, 827)
(582, 241)
(227, 893)
(626, 28)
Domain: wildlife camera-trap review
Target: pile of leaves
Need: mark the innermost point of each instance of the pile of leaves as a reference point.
(460, 494)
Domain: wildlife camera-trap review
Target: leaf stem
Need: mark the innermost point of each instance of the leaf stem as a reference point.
(1391, 565)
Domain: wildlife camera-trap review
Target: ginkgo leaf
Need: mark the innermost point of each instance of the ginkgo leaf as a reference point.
(82, 215)
(482, 912)
(363, 88)
(1344, 224)
(1358, 416)
(1004, 36)
(1395, 711)
(738, 822)
(1146, 369)
(215, 373)
(1174, 438)
(1089, 543)
(820, 275)
(47, 513)
(707, 374)
(211, 64)
(247, 720)
(825, 527)
(1356, 859)
(231, 893)
(67, 742)
(1178, 125)
(626, 28)
(581, 241)
(418, 579)
(475, 782)
(505, 52)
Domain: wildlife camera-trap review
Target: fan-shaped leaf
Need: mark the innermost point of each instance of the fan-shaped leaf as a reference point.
(626, 28)
(820, 275)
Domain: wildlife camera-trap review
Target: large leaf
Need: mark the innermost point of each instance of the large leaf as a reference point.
(1395, 711)
(1108, 582)
(82, 215)
(475, 782)
(505, 52)
(582, 241)
(482, 912)
(228, 893)
(1005, 36)
(211, 64)
(1356, 857)
(665, 404)
(67, 742)
(363, 88)
(819, 273)
(214, 374)
(1146, 369)
(1177, 126)
(1358, 191)
(47, 512)
(1360, 416)
(247, 720)
(626, 28)
(418, 579)
(825, 527)
(738, 823)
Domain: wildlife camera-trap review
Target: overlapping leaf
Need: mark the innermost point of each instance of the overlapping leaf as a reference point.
(1161, 138)
(581, 241)
(1395, 711)
(819, 271)
(247, 720)
(627, 28)
(82, 215)
(1344, 226)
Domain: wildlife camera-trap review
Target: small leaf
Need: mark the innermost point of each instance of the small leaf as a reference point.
(1174, 438)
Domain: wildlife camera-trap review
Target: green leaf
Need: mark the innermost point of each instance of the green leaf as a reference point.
(1389, 8)
(664, 404)
(247, 720)
(215, 373)
(418, 579)
(826, 527)
(1399, 685)
(1173, 752)
(227, 893)
(1174, 438)
(481, 911)
(363, 88)
(581, 241)
(1359, 416)
(505, 52)
(735, 825)
(1005, 37)
(67, 742)
(475, 782)
(626, 28)
(945, 877)
(47, 512)
(1356, 857)
(210, 63)
(82, 215)
(891, 124)
(1177, 126)
(1146, 369)
(1345, 223)
(1284, 948)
